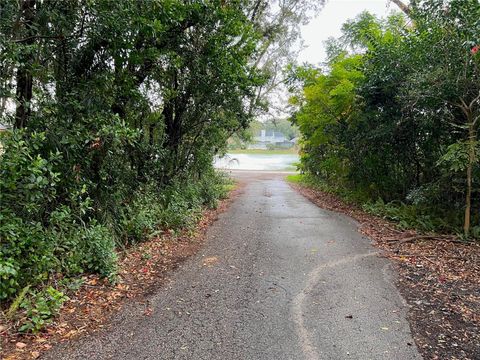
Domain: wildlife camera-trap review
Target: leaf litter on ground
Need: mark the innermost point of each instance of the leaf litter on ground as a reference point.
(143, 268)
(438, 275)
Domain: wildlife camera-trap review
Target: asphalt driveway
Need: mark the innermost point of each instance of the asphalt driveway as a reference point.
(278, 278)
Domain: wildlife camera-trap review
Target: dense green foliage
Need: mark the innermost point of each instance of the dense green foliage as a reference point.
(118, 108)
(394, 115)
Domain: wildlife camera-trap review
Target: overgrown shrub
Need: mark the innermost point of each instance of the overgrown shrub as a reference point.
(140, 218)
(410, 216)
(214, 187)
(8, 277)
(26, 252)
(99, 250)
(40, 308)
(388, 118)
(51, 224)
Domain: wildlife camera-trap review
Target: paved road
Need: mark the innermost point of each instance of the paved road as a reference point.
(278, 278)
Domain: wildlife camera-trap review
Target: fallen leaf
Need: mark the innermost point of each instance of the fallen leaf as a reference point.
(210, 261)
(20, 345)
(70, 334)
(10, 357)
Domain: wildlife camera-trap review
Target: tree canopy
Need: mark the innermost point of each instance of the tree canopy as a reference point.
(118, 108)
(395, 114)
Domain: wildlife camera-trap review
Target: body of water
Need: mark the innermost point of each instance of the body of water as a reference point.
(265, 162)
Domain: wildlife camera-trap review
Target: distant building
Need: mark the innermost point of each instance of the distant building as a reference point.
(270, 136)
(270, 139)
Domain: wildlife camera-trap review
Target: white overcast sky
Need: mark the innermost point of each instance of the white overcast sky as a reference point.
(329, 22)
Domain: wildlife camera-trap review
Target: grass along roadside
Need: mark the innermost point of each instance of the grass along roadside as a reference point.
(80, 305)
(437, 276)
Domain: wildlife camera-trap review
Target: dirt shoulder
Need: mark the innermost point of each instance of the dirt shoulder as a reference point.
(439, 279)
(143, 268)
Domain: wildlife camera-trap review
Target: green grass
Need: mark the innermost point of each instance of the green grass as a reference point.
(230, 187)
(348, 194)
(309, 181)
(264, 152)
(295, 178)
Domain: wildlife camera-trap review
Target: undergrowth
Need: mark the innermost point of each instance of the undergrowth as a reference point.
(406, 216)
(35, 256)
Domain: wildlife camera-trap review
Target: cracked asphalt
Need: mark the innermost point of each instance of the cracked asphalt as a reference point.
(278, 278)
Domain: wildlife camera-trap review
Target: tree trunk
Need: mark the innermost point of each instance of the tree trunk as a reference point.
(24, 73)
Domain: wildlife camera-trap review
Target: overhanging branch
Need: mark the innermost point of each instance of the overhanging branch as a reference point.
(404, 7)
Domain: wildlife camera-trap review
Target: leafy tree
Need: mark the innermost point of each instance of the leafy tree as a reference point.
(278, 22)
(327, 105)
(454, 32)
(118, 108)
(411, 132)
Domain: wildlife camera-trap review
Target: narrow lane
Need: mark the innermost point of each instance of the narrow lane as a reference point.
(279, 278)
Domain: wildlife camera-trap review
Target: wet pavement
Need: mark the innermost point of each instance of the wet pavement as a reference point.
(278, 278)
(258, 162)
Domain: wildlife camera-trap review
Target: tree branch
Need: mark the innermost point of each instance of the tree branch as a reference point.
(405, 8)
